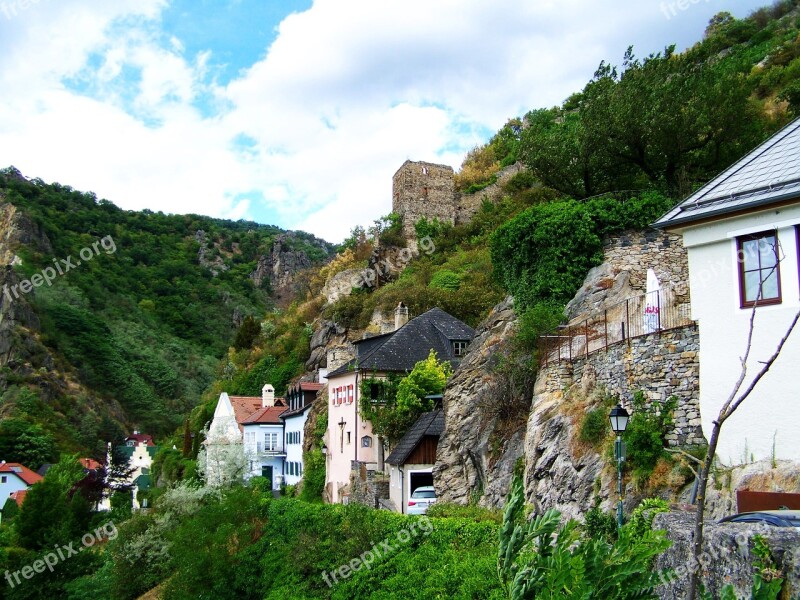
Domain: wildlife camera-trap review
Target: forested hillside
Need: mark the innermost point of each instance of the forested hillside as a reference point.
(137, 312)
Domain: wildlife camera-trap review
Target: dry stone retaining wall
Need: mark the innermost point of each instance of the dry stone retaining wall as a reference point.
(661, 365)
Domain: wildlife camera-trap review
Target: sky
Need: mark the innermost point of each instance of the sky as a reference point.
(294, 113)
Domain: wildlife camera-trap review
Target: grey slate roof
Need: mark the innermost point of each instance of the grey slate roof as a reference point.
(768, 174)
(402, 349)
(429, 423)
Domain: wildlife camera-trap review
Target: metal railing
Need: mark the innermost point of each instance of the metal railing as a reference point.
(265, 449)
(666, 309)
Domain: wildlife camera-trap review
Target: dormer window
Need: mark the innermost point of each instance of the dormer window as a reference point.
(460, 348)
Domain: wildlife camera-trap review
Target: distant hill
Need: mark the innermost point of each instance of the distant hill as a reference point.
(132, 311)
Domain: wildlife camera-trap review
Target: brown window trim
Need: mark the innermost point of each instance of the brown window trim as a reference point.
(743, 302)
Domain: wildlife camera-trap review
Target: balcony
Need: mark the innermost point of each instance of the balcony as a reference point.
(265, 450)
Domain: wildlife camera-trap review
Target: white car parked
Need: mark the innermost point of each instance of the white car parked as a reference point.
(421, 499)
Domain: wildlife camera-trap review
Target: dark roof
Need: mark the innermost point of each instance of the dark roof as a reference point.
(294, 413)
(428, 424)
(768, 174)
(402, 349)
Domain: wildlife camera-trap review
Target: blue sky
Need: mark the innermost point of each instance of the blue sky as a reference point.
(293, 113)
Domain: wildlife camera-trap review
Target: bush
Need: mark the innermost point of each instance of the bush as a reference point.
(645, 435)
(594, 426)
(470, 512)
(313, 476)
(446, 280)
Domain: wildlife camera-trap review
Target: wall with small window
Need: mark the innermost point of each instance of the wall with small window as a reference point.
(738, 264)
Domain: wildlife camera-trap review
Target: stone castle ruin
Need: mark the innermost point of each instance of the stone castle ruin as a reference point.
(423, 189)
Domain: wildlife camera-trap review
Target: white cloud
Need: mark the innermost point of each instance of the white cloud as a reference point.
(347, 92)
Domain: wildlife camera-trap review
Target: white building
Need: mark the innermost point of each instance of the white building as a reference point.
(15, 479)
(299, 398)
(245, 439)
(741, 231)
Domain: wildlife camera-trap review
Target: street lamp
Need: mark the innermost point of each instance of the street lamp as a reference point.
(619, 422)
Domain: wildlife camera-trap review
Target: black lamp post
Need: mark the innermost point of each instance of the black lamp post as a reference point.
(619, 422)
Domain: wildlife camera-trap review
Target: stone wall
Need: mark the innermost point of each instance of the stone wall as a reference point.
(422, 189)
(367, 487)
(623, 273)
(470, 204)
(727, 555)
(660, 364)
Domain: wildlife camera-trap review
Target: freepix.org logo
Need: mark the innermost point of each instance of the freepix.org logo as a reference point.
(61, 266)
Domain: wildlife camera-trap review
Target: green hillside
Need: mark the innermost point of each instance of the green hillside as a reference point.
(141, 325)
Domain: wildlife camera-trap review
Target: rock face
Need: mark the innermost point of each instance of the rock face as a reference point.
(342, 284)
(468, 205)
(727, 555)
(216, 265)
(326, 335)
(280, 268)
(474, 458)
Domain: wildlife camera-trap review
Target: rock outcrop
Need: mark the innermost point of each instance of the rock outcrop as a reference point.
(479, 449)
(727, 555)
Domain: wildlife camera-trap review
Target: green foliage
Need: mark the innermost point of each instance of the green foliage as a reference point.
(313, 476)
(446, 280)
(389, 230)
(247, 334)
(433, 228)
(641, 518)
(594, 426)
(544, 253)
(394, 403)
(27, 443)
(645, 435)
(542, 558)
(52, 511)
(599, 524)
(470, 512)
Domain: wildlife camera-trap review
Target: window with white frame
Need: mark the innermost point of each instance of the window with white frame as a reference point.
(270, 441)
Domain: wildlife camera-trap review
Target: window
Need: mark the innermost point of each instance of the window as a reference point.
(460, 348)
(348, 437)
(270, 441)
(759, 271)
(366, 442)
(4, 479)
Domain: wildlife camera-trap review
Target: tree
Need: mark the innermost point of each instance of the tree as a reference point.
(26, 443)
(247, 334)
(428, 377)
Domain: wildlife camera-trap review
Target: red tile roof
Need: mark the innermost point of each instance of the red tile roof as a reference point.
(18, 496)
(90, 464)
(264, 416)
(313, 387)
(21, 471)
(245, 407)
(141, 437)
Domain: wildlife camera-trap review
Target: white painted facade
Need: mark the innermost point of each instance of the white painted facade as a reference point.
(10, 482)
(265, 452)
(770, 415)
(349, 437)
(294, 435)
(400, 481)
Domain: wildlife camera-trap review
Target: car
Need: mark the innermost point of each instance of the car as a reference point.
(421, 499)
(778, 518)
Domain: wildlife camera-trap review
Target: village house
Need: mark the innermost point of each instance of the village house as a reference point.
(299, 398)
(349, 440)
(245, 439)
(412, 460)
(137, 452)
(15, 480)
(742, 233)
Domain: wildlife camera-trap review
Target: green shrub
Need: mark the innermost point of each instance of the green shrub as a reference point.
(645, 435)
(470, 512)
(446, 280)
(594, 426)
(313, 476)
(641, 518)
(599, 524)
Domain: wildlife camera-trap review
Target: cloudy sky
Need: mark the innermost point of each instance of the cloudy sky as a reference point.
(297, 112)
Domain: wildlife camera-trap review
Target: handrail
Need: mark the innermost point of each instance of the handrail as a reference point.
(633, 317)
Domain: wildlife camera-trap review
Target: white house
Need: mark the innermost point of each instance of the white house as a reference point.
(139, 451)
(15, 479)
(299, 398)
(741, 231)
(245, 438)
(349, 438)
(412, 460)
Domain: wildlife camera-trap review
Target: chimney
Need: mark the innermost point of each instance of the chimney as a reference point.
(400, 316)
(267, 396)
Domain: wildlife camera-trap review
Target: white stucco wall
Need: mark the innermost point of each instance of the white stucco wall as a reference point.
(400, 483)
(294, 450)
(341, 450)
(772, 410)
(12, 484)
(258, 456)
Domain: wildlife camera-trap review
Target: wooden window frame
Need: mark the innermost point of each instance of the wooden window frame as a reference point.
(743, 302)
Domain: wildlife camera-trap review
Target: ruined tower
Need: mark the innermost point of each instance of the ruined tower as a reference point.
(423, 189)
